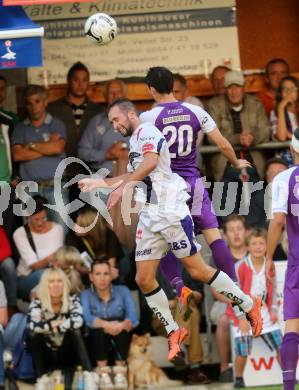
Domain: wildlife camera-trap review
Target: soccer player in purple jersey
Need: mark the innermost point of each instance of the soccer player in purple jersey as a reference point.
(285, 207)
(181, 124)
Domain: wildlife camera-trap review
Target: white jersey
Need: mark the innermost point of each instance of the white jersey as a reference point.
(161, 187)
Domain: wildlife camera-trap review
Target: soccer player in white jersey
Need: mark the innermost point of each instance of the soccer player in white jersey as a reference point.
(164, 221)
(285, 210)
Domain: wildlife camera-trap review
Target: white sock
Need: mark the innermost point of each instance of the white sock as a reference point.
(223, 284)
(158, 302)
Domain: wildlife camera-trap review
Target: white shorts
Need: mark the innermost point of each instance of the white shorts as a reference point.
(159, 232)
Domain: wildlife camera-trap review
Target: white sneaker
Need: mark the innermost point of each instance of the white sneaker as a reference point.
(91, 380)
(43, 383)
(105, 381)
(120, 378)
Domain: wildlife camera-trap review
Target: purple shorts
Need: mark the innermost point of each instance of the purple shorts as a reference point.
(291, 293)
(200, 205)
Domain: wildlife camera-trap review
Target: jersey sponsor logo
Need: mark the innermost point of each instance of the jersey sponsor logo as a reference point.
(177, 118)
(175, 111)
(148, 147)
(232, 297)
(139, 234)
(132, 156)
(176, 246)
(144, 252)
(204, 120)
(160, 316)
(147, 138)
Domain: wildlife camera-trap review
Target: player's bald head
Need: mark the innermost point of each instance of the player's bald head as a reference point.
(125, 105)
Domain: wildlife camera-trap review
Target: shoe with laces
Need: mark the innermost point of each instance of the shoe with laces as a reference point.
(105, 381)
(120, 378)
(91, 380)
(175, 339)
(185, 300)
(254, 316)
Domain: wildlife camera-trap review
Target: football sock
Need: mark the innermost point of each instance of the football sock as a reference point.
(170, 267)
(289, 359)
(158, 303)
(225, 286)
(223, 258)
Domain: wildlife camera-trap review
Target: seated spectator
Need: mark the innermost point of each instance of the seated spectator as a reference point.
(217, 79)
(38, 145)
(234, 229)
(69, 260)
(3, 323)
(275, 70)
(242, 120)
(191, 323)
(285, 117)
(100, 144)
(55, 322)
(8, 272)
(110, 314)
(251, 273)
(180, 91)
(97, 241)
(36, 242)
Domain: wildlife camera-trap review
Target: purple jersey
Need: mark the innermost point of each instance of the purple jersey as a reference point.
(285, 199)
(181, 123)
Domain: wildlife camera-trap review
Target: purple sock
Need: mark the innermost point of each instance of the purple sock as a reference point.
(223, 258)
(170, 267)
(289, 359)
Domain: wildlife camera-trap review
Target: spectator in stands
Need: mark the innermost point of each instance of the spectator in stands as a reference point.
(75, 110)
(285, 117)
(36, 242)
(252, 278)
(69, 260)
(110, 314)
(275, 70)
(38, 145)
(180, 90)
(242, 120)
(3, 323)
(217, 79)
(8, 173)
(100, 144)
(55, 322)
(8, 272)
(99, 241)
(234, 229)
(190, 321)
(9, 115)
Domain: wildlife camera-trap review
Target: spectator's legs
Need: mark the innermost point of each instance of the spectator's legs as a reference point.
(9, 278)
(77, 340)
(41, 354)
(223, 342)
(27, 283)
(121, 345)
(100, 346)
(240, 364)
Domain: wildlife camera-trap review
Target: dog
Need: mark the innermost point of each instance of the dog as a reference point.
(142, 370)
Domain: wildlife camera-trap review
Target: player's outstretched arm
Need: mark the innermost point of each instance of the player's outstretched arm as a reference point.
(88, 184)
(274, 233)
(226, 148)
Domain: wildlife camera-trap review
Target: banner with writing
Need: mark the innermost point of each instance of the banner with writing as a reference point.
(188, 36)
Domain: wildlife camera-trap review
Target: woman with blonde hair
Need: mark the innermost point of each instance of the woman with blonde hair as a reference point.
(69, 260)
(92, 236)
(55, 322)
